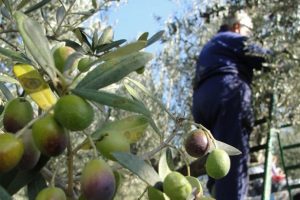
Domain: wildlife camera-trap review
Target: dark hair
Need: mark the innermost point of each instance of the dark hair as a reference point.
(223, 28)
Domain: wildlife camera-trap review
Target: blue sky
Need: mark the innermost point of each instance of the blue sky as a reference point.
(137, 16)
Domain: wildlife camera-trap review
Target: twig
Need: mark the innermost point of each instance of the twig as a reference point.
(144, 192)
(92, 144)
(9, 43)
(70, 161)
(163, 144)
(20, 132)
(63, 18)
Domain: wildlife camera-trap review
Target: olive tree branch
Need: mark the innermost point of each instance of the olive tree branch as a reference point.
(20, 132)
(70, 162)
(63, 18)
(9, 43)
(164, 143)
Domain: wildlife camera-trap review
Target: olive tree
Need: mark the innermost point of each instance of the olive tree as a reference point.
(275, 87)
(74, 107)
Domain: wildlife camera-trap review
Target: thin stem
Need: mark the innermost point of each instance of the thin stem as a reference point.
(77, 148)
(48, 175)
(162, 145)
(144, 192)
(52, 182)
(185, 161)
(20, 132)
(95, 152)
(9, 43)
(153, 98)
(9, 31)
(63, 18)
(70, 162)
(206, 131)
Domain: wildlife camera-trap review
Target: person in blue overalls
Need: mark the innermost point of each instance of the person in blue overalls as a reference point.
(222, 96)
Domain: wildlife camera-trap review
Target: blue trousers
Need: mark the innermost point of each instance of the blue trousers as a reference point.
(222, 104)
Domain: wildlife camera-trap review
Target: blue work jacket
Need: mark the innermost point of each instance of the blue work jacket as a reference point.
(222, 102)
(229, 52)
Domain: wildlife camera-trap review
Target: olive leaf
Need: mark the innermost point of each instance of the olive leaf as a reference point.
(138, 166)
(107, 46)
(116, 101)
(8, 79)
(125, 50)
(15, 56)
(131, 127)
(36, 42)
(113, 100)
(143, 36)
(60, 14)
(4, 194)
(132, 92)
(37, 6)
(163, 164)
(35, 186)
(22, 4)
(7, 6)
(155, 37)
(232, 151)
(5, 91)
(114, 70)
(106, 37)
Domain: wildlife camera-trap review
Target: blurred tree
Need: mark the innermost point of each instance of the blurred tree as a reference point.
(275, 28)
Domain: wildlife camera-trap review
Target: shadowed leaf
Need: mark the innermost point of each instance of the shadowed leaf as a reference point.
(37, 6)
(138, 166)
(4, 195)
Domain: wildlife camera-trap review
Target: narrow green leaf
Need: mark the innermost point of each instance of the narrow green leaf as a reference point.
(163, 164)
(155, 37)
(95, 39)
(15, 56)
(143, 36)
(125, 50)
(94, 2)
(36, 42)
(139, 85)
(232, 151)
(106, 36)
(74, 45)
(156, 129)
(132, 127)
(132, 92)
(1, 114)
(4, 194)
(156, 194)
(5, 13)
(71, 60)
(108, 46)
(114, 70)
(35, 186)
(5, 91)
(81, 35)
(138, 166)
(7, 79)
(7, 5)
(37, 6)
(22, 4)
(112, 100)
(60, 13)
(8, 177)
(24, 177)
